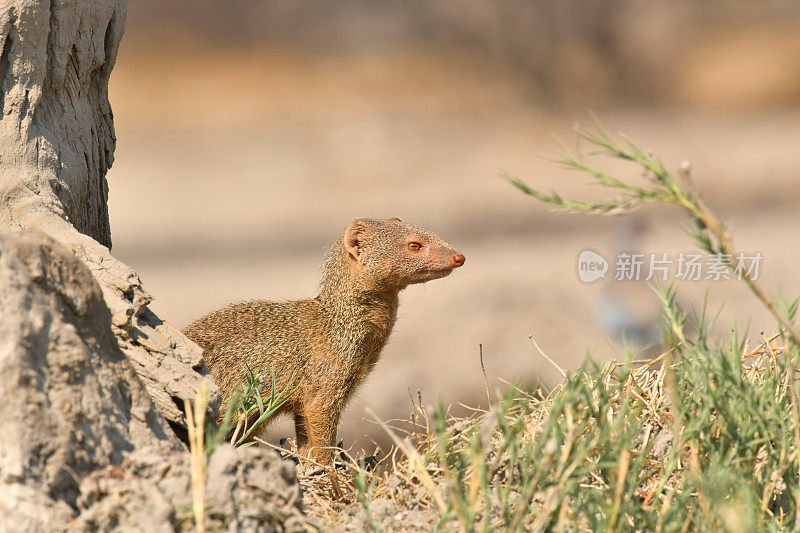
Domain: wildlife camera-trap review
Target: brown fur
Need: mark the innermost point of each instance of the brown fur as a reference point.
(330, 343)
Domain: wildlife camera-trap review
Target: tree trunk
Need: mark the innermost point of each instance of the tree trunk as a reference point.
(57, 137)
(56, 145)
(81, 446)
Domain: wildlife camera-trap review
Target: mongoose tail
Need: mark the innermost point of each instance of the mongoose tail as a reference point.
(329, 343)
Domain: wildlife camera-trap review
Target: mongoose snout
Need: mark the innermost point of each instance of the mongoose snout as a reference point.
(324, 347)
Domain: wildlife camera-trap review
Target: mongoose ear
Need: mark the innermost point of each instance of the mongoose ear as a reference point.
(353, 239)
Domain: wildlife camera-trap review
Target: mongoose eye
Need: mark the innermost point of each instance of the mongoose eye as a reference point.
(414, 246)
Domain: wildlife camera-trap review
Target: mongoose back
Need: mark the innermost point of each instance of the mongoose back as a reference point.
(330, 343)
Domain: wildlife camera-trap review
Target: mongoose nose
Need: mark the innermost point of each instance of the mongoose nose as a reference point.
(459, 259)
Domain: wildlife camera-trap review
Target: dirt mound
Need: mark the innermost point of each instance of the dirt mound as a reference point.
(82, 445)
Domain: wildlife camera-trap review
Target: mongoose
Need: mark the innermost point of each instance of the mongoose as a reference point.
(330, 343)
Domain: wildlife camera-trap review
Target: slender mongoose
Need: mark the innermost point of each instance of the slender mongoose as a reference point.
(330, 343)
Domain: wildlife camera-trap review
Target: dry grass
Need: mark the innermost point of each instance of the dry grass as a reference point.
(195, 424)
(606, 450)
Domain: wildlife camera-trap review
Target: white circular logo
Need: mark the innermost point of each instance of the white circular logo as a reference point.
(591, 266)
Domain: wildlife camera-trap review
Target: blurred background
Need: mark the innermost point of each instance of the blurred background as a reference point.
(251, 133)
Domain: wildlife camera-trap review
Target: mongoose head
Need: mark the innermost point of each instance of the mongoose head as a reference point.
(391, 254)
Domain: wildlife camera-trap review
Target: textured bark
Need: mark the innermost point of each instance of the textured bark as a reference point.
(71, 401)
(82, 447)
(56, 145)
(57, 127)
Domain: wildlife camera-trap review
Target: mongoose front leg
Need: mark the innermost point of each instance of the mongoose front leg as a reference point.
(319, 421)
(301, 436)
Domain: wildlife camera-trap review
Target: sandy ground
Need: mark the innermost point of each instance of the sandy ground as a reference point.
(250, 170)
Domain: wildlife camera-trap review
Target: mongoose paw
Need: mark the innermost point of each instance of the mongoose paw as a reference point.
(286, 445)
